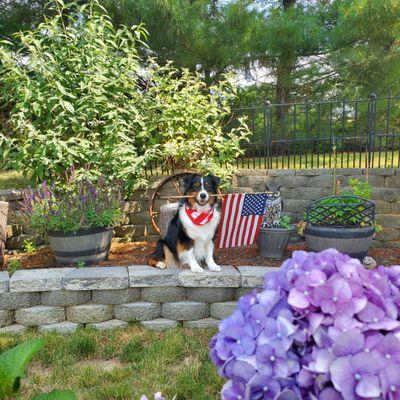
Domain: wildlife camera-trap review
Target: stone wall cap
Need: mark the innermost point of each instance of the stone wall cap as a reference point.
(146, 276)
(96, 278)
(38, 280)
(228, 277)
(4, 282)
(253, 276)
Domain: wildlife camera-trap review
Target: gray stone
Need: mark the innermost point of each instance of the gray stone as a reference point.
(63, 328)
(65, 298)
(13, 301)
(280, 172)
(388, 235)
(382, 207)
(6, 317)
(97, 278)
(309, 193)
(204, 323)
(39, 315)
(295, 205)
(107, 325)
(139, 311)
(222, 310)
(322, 181)
(243, 291)
(386, 194)
(13, 329)
(116, 296)
(388, 220)
(145, 276)
(17, 242)
(163, 294)
(4, 282)
(160, 324)
(382, 171)
(185, 310)
(392, 181)
(254, 276)
(89, 313)
(38, 280)
(228, 277)
(210, 295)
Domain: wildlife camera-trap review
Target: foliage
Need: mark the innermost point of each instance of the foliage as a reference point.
(75, 94)
(12, 365)
(13, 266)
(28, 246)
(323, 327)
(79, 205)
(359, 188)
(284, 222)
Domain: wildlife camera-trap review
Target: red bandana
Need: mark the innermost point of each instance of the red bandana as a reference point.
(199, 218)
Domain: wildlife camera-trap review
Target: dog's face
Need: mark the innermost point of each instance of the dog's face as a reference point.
(201, 189)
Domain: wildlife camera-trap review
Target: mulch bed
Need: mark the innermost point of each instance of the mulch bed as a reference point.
(137, 252)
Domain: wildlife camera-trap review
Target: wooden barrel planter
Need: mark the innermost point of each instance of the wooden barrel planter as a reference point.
(89, 246)
(3, 228)
(352, 241)
(345, 223)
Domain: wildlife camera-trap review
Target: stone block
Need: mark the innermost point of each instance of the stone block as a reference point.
(4, 282)
(39, 315)
(382, 207)
(295, 206)
(108, 325)
(146, 276)
(312, 172)
(38, 280)
(254, 276)
(388, 220)
(222, 310)
(64, 328)
(13, 301)
(96, 278)
(128, 230)
(185, 310)
(116, 296)
(388, 234)
(228, 277)
(163, 294)
(392, 181)
(6, 318)
(139, 311)
(310, 193)
(13, 329)
(321, 181)
(65, 298)
(395, 207)
(204, 323)
(210, 295)
(386, 194)
(17, 242)
(89, 313)
(160, 324)
(280, 172)
(382, 171)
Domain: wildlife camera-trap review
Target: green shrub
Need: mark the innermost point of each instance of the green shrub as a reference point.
(72, 96)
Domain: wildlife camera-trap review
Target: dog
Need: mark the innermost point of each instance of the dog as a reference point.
(189, 238)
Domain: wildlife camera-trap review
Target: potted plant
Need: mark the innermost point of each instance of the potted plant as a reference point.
(345, 221)
(272, 241)
(78, 218)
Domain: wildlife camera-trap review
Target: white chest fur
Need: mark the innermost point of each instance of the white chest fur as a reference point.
(202, 235)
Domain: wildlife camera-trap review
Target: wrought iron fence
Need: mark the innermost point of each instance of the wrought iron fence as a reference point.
(346, 133)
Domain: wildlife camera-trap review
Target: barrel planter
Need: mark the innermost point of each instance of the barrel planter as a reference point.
(272, 242)
(167, 212)
(352, 241)
(3, 228)
(89, 246)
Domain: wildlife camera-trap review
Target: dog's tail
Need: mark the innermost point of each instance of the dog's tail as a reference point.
(158, 255)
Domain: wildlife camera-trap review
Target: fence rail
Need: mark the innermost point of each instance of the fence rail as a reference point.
(347, 133)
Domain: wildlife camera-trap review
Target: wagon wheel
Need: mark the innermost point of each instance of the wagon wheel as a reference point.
(170, 190)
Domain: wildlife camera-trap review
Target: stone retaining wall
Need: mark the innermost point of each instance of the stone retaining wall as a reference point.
(298, 188)
(62, 299)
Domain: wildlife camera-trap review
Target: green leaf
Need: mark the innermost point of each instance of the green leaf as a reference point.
(57, 395)
(13, 363)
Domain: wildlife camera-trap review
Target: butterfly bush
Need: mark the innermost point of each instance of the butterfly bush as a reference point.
(323, 328)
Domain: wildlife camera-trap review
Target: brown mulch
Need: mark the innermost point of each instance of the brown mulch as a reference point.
(137, 252)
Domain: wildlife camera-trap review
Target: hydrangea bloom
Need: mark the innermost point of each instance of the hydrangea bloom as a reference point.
(323, 328)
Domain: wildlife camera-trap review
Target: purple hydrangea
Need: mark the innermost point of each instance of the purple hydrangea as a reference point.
(323, 328)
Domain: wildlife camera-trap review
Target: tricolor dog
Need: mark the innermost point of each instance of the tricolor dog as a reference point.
(189, 239)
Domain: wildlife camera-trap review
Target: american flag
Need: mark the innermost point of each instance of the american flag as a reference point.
(242, 215)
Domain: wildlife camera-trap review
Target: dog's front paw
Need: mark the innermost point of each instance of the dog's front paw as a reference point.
(161, 265)
(214, 267)
(196, 269)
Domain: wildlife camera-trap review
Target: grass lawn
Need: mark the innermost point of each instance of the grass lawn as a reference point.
(122, 364)
(13, 180)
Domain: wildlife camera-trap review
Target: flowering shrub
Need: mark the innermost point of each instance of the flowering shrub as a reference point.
(323, 328)
(79, 205)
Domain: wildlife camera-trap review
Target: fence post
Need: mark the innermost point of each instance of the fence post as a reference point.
(371, 118)
(267, 111)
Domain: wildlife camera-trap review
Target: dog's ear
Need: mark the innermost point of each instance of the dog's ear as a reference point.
(215, 180)
(188, 180)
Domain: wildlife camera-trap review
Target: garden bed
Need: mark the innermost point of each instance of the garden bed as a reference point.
(123, 254)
